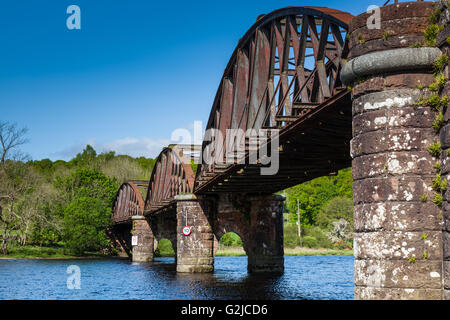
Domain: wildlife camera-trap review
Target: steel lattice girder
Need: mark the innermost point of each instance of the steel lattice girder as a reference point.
(127, 203)
(170, 177)
(286, 66)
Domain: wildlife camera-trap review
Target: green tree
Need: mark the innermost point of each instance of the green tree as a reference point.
(314, 194)
(85, 222)
(231, 239)
(336, 209)
(84, 182)
(85, 158)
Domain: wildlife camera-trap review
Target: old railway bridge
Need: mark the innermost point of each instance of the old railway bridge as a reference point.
(292, 71)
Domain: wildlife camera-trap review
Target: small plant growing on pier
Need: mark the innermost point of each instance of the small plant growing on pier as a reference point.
(416, 45)
(386, 35)
(438, 122)
(360, 38)
(434, 101)
(435, 149)
(424, 236)
(431, 33)
(437, 183)
(440, 80)
(444, 102)
(425, 255)
(437, 167)
(420, 102)
(424, 198)
(438, 199)
(434, 17)
(433, 87)
(412, 259)
(444, 184)
(440, 63)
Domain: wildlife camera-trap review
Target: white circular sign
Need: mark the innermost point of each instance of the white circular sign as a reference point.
(186, 230)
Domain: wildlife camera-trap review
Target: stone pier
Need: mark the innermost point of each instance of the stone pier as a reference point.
(120, 237)
(398, 217)
(195, 252)
(443, 43)
(143, 250)
(265, 248)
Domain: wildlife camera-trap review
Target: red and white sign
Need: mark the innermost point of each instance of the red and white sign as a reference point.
(186, 230)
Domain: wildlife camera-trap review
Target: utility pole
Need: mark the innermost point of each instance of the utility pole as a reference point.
(299, 226)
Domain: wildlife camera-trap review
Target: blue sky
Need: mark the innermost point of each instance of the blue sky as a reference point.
(136, 71)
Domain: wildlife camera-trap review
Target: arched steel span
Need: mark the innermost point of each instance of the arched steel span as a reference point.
(170, 177)
(284, 70)
(127, 203)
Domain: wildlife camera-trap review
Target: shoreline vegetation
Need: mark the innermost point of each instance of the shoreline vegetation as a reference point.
(52, 253)
(62, 209)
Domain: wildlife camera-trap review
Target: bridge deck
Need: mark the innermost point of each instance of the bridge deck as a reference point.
(314, 145)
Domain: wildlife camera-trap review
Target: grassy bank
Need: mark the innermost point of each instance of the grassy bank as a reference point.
(35, 252)
(299, 251)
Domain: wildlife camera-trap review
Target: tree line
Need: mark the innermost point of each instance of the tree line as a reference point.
(60, 203)
(67, 204)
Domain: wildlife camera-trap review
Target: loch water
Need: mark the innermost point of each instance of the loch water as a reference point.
(305, 277)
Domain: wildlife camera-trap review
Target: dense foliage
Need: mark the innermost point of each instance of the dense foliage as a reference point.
(321, 202)
(65, 204)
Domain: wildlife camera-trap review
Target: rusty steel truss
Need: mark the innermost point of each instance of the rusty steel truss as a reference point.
(127, 203)
(284, 74)
(170, 177)
(284, 70)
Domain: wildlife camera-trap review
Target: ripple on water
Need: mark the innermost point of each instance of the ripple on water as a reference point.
(315, 277)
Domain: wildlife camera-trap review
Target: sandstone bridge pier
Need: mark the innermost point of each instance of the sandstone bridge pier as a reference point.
(339, 93)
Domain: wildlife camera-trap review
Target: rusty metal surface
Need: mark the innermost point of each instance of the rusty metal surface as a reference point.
(127, 203)
(170, 177)
(284, 68)
(285, 74)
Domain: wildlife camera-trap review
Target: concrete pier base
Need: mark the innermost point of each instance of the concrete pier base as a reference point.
(143, 250)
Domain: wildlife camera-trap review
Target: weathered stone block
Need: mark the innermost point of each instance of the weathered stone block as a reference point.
(396, 27)
(399, 216)
(392, 42)
(398, 245)
(406, 139)
(409, 189)
(388, 99)
(393, 163)
(372, 293)
(424, 274)
(445, 137)
(390, 82)
(395, 12)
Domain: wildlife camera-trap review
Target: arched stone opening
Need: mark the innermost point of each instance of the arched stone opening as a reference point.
(229, 244)
(164, 248)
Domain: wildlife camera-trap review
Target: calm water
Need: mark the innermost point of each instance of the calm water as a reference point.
(323, 277)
